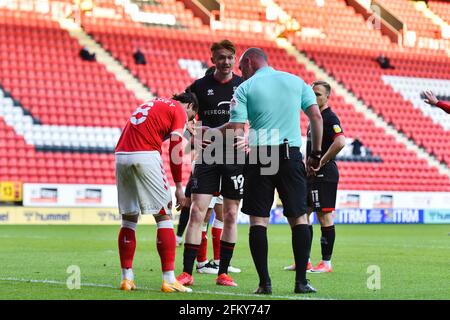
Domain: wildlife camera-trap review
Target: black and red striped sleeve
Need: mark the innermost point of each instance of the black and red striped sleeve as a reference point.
(334, 127)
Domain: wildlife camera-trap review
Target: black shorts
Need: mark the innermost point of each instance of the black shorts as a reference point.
(187, 190)
(290, 182)
(322, 195)
(216, 179)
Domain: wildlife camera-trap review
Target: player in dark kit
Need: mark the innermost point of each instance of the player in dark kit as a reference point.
(214, 92)
(323, 182)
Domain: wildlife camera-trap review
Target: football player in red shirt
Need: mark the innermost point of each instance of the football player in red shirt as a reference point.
(142, 184)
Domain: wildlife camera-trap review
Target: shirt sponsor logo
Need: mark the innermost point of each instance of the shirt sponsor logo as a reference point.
(214, 112)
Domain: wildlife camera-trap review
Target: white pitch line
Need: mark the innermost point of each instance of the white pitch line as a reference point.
(98, 285)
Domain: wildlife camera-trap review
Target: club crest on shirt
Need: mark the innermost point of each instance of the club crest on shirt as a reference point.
(210, 92)
(337, 128)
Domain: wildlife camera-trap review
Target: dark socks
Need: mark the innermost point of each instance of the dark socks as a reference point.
(189, 255)
(259, 249)
(182, 224)
(301, 245)
(327, 242)
(226, 253)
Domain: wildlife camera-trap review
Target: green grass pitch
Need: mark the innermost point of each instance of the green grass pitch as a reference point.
(413, 260)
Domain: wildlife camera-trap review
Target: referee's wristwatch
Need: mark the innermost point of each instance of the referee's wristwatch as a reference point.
(316, 155)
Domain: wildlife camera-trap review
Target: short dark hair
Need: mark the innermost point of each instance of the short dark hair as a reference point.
(223, 44)
(325, 84)
(255, 52)
(187, 97)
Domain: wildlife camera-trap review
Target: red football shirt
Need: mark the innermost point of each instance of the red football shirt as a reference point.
(444, 106)
(152, 123)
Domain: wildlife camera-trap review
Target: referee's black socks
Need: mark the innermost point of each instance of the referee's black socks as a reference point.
(327, 242)
(301, 244)
(259, 249)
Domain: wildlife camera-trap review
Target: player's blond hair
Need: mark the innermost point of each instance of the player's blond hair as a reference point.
(324, 84)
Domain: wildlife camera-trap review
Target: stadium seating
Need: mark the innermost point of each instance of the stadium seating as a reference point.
(58, 93)
(337, 22)
(247, 10)
(412, 18)
(348, 51)
(441, 8)
(185, 18)
(360, 74)
(173, 58)
(51, 85)
(41, 67)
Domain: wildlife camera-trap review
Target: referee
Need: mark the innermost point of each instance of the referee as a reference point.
(270, 101)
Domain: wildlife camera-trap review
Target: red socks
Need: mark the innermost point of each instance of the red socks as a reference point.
(216, 235)
(166, 245)
(203, 249)
(127, 246)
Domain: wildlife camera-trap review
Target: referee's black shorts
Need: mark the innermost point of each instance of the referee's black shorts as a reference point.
(289, 180)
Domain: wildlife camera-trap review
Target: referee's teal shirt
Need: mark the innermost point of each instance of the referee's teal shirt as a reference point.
(271, 101)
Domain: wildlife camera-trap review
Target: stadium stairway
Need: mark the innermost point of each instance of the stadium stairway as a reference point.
(112, 65)
(440, 8)
(415, 20)
(435, 17)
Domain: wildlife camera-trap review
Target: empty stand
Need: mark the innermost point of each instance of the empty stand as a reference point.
(362, 75)
(441, 8)
(169, 58)
(413, 19)
(41, 69)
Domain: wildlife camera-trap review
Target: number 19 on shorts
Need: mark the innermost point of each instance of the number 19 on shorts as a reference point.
(238, 182)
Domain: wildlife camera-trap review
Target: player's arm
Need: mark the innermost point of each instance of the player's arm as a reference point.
(316, 123)
(311, 109)
(432, 100)
(336, 147)
(176, 154)
(238, 116)
(176, 166)
(444, 106)
(189, 135)
(333, 129)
